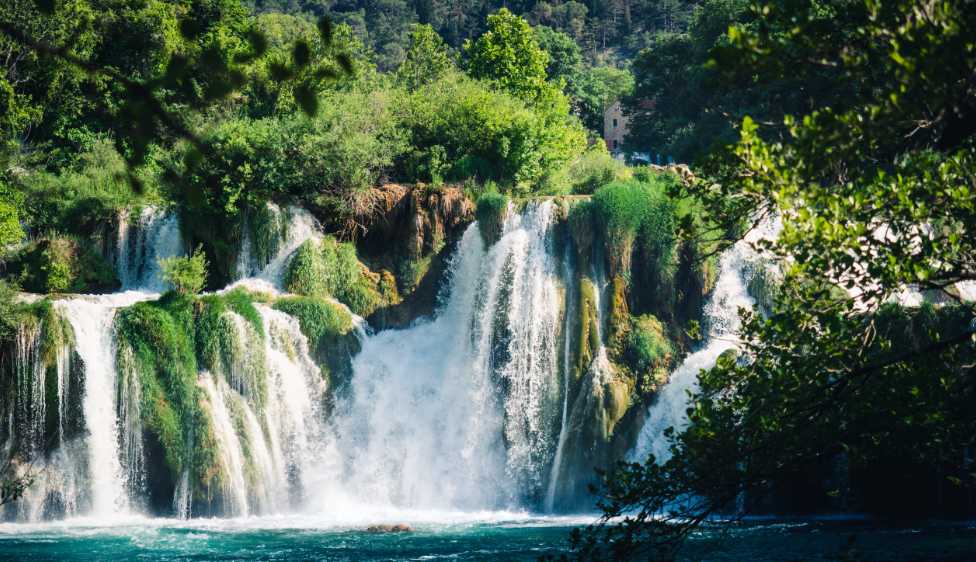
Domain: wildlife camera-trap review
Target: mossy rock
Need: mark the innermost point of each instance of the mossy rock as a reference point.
(582, 232)
(156, 345)
(647, 352)
(329, 268)
(491, 211)
(62, 265)
(588, 338)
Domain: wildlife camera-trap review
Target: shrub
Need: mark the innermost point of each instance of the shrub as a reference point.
(646, 348)
(306, 273)
(186, 275)
(10, 230)
(491, 211)
(488, 134)
(594, 169)
(632, 211)
(61, 264)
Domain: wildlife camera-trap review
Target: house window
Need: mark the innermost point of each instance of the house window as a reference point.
(615, 143)
(614, 123)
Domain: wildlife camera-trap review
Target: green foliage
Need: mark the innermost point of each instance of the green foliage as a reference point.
(331, 269)
(79, 200)
(306, 274)
(647, 351)
(226, 348)
(859, 188)
(427, 58)
(490, 211)
(300, 64)
(156, 346)
(10, 230)
(10, 310)
(637, 216)
(185, 275)
(596, 89)
(593, 170)
(509, 54)
(60, 264)
(488, 135)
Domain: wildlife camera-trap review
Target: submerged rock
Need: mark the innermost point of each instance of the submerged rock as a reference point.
(386, 528)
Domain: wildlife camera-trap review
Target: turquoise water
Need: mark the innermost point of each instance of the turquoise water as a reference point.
(478, 537)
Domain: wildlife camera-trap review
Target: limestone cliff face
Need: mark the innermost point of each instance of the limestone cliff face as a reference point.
(409, 231)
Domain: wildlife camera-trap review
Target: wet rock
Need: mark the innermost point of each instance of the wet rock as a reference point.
(386, 528)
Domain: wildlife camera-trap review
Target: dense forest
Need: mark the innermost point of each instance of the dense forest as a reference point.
(846, 126)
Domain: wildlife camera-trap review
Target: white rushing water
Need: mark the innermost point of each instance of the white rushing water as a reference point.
(722, 324)
(91, 320)
(458, 411)
(141, 242)
(287, 229)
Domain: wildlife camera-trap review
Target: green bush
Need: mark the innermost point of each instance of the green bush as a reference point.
(491, 211)
(646, 347)
(632, 211)
(186, 275)
(307, 273)
(10, 230)
(61, 264)
(593, 170)
(487, 134)
(156, 345)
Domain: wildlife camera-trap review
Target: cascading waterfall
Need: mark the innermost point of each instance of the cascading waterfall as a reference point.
(722, 320)
(91, 321)
(567, 359)
(154, 234)
(32, 429)
(265, 253)
(460, 411)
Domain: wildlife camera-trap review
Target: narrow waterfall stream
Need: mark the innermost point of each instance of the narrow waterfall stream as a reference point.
(722, 325)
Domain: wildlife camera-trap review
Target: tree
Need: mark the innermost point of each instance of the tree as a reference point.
(565, 57)
(508, 53)
(597, 89)
(10, 230)
(427, 58)
(875, 193)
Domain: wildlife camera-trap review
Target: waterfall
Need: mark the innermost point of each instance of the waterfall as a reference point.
(228, 444)
(460, 411)
(721, 315)
(295, 391)
(568, 317)
(91, 320)
(30, 430)
(268, 243)
(154, 234)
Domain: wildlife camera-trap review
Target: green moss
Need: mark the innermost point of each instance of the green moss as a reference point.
(318, 318)
(330, 268)
(634, 213)
(490, 212)
(225, 349)
(156, 344)
(647, 352)
(267, 227)
(588, 340)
